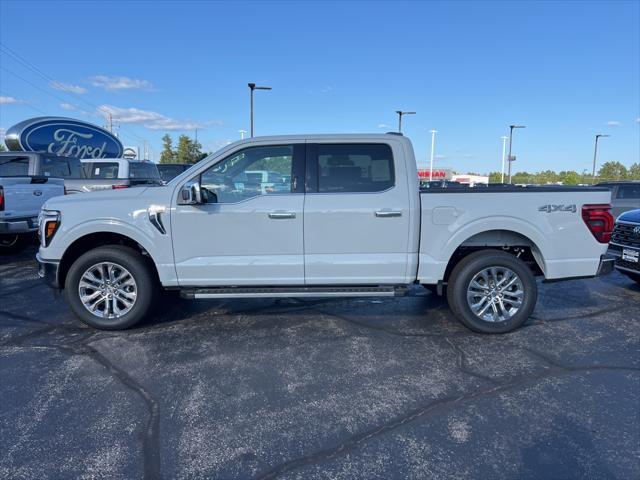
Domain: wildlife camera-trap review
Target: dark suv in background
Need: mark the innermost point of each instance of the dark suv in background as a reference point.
(625, 244)
(625, 196)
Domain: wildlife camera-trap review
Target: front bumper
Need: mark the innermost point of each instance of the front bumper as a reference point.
(615, 251)
(18, 225)
(48, 271)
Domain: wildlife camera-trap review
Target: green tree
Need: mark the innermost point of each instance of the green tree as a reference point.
(612, 171)
(634, 171)
(569, 177)
(495, 177)
(189, 150)
(2, 147)
(184, 149)
(167, 155)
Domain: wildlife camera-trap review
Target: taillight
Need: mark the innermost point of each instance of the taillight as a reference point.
(599, 220)
(118, 187)
(1, 199)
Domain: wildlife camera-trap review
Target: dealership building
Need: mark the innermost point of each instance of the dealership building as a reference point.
(446, 173)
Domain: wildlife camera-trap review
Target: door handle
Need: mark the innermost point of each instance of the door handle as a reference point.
(282, 215)
(388, 213)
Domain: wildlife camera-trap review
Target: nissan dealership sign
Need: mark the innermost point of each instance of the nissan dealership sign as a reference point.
(63, 136)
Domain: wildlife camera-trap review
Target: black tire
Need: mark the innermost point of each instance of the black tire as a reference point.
(461, 278)
(12, 243)
(140, 270)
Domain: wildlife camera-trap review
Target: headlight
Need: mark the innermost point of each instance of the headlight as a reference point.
(48, 223)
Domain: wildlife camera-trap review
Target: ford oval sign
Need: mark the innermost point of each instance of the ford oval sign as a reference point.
(63, 136)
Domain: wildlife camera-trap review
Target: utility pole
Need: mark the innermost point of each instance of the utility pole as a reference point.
(252, 87)
(110, 122)
(433, 142)
(504, 151)
(595, 155)
(511, 159)
(400, 114)
(242, 132)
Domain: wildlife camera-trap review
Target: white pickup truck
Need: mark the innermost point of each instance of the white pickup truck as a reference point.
(352, 222)
(22, 195)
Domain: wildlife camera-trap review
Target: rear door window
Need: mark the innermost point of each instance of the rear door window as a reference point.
(354, 168)
(14, 166)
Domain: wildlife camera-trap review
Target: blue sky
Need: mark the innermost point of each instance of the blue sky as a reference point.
(567, 70)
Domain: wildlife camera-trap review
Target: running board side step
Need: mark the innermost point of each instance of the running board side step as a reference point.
(262, 292)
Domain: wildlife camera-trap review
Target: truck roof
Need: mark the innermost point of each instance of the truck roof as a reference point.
(324, 136)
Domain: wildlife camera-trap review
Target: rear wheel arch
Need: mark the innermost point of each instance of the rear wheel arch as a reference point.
(509, 241)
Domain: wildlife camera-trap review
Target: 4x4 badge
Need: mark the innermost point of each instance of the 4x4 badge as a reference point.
(636, 231)
(558, 208)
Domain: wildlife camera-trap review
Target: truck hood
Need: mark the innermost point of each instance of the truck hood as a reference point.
(632, 216)
(124, 195)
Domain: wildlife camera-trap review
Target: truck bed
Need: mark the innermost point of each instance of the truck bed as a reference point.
(547, 219)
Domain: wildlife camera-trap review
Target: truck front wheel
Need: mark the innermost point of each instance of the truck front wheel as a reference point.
(111, 287)
(492, 291)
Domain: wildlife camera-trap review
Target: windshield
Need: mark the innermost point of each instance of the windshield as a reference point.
(143, 170)
(108, 170)
(168, 172)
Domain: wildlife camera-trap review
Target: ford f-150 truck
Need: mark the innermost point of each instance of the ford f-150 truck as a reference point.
(352, 222)
(22, 195)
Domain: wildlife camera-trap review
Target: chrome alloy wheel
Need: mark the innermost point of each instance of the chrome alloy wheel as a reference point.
(107, 290)
(495, 294)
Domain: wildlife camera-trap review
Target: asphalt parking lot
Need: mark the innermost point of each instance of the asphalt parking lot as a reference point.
(343, 389)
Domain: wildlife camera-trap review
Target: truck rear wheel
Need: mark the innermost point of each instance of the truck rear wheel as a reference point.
(110, 288)
(492, 291)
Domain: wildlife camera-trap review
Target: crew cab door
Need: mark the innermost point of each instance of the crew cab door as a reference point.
(356, 214)
(244, 233)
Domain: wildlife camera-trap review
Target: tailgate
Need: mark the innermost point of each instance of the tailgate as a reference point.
(24, 196)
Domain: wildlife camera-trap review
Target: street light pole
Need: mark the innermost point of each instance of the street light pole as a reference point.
(433, 142)
(504, 152)
(242, 132)
(400, 114)
(510, 159)
(595, 155)
(252, 87)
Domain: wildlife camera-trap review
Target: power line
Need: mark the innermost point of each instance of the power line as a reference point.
(28, 104)
(15, 56)
(32, 67)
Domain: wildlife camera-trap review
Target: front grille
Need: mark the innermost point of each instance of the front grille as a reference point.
(623, 235)
(628, 265)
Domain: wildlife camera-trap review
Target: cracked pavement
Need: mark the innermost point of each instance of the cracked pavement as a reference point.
(327, 388)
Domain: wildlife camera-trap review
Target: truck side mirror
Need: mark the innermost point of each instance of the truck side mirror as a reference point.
(190, 193)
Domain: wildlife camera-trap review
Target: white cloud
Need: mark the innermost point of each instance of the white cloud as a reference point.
(67, 87)
(327, 89)
(67, 106)
(120, 83)
(383, 125)
(168, 124)
(149, 119)
(440, 157)
(613, 123)
(3, 133)
(638, 120)
(9, 100)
